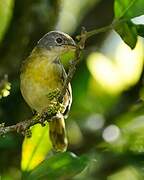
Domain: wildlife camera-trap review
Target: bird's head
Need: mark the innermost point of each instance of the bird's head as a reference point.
(57, 42)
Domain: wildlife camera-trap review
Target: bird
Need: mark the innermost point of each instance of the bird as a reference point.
(42, 73)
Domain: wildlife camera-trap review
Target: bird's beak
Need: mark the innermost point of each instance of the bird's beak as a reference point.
(72, 42)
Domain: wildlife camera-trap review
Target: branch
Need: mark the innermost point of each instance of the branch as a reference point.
(23, 127)
(113, 25)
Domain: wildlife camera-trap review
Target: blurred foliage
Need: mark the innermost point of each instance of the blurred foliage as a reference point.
(60, 166)
(73, 13)
(106, 122)
(6, 8)
(5, 87)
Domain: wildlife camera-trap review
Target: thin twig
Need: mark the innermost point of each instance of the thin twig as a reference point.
(113, 25)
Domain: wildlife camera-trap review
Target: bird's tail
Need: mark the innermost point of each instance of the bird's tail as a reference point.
(57, 134)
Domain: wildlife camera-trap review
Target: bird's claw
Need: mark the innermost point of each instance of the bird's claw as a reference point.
(54, 94)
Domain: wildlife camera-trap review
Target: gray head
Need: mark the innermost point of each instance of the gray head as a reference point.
(56, 40)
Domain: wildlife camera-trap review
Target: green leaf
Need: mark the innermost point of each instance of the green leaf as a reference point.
(35, 149)
(128, 33)
(59, 166)
(140, 29)
(6, 9)
(128, 8)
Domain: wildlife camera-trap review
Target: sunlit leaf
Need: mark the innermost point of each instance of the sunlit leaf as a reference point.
(6, 8)
(128, 8)
(128, 33)
(59, 166)
(35, 149)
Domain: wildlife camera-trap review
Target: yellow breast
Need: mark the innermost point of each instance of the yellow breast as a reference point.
(39, 76)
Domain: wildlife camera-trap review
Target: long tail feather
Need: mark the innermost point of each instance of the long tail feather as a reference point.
(57, 134)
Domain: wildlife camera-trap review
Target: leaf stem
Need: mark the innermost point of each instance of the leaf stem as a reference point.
(100, 30)
(111, 26)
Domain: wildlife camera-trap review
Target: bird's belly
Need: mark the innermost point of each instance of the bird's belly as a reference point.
(38, 81)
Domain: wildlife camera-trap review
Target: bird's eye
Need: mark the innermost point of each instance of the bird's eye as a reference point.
(59, 40)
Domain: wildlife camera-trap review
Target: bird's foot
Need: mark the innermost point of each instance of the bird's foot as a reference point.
(23, 129)
(54, 94)
(62, 107)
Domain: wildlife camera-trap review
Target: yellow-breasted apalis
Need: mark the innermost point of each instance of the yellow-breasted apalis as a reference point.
(43, 73)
